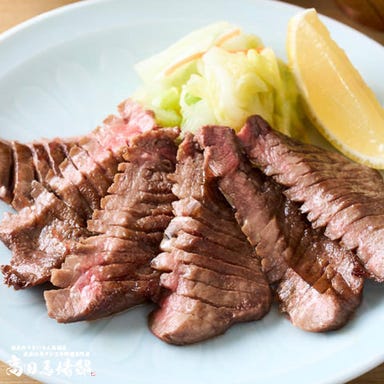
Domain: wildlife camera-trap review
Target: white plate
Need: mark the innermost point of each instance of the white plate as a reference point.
(61, 73)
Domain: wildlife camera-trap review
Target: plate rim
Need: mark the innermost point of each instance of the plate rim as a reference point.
(359, 368)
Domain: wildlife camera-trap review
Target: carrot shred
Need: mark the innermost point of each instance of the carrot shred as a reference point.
(198, 55)
(238, 51)
(227, 37)
(186, 60)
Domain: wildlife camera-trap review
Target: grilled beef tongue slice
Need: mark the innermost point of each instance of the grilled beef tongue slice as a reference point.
(93, 157)
(75, 175)
(110, 271)
(343, 197)
(316, 279)
(6, 171)
(211, 276)
(21, 164)
(39, 238)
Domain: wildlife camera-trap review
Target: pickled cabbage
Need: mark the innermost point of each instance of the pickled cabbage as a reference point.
(219, 75)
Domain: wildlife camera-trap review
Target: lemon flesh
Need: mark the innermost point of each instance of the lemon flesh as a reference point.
(338, 101)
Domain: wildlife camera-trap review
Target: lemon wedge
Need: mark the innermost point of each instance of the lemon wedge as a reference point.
(339, 103)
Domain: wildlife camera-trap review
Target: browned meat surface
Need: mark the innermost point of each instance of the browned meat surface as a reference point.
(256, 201)
(110, 271)
(6, 171)
(343, 197)
(92, 171)
(211, 275)
(94, 156)
(39, 237)
(76, 174)
(321, 291)
(317, 283)
(56, 151)
(49, 157)
(23, 163)
(24, 174)
(41, 158)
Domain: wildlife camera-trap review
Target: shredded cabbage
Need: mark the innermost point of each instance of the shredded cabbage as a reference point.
(219, 75)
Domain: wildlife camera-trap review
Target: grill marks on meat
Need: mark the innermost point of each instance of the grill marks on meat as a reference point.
(233, 230)
(316, 278)
(255, 201)
(23, 175)
(40, 237)
(345, 198)
(94, 156)
(210, 272)
(321, 291)
(77, 174)
(110, 271)
(21, 164)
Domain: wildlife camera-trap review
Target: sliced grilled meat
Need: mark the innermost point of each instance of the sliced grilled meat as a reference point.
(23, 163)
(39, 237)
(95, 156)
(110, 271)
(317, 283)
(41, 160)
(6, 171)
(211, 275)
(24, 174)
(73, 174)
(345, 198)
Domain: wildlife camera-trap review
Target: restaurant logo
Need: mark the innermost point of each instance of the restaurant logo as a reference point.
(48, 360)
